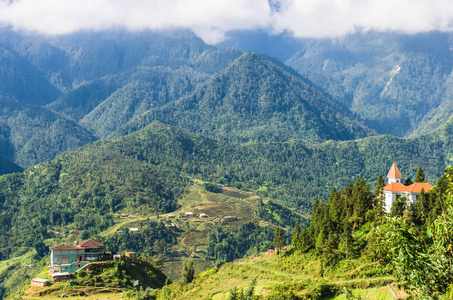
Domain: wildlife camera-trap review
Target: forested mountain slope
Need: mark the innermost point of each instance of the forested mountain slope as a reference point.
(95, 80)
(257, 100)
(7, 166)
(140, 91)
(31, 134)
(149, 170)
(398, 84)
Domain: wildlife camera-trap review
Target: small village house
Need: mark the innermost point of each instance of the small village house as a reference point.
(69, 258)
(39, 282)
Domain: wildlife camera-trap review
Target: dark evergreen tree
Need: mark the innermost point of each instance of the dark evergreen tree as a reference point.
(398, 207)
(306, 239)
(422, 207)
(336, 208)
(188, 272)
(362, 201)
(295, 241)
(379, 196)
(379, 185)
(420, 176)
(279, 239)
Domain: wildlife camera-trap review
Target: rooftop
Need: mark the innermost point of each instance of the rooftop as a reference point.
(413, 188)
(394, 172)
(91, 244)
(65, 247)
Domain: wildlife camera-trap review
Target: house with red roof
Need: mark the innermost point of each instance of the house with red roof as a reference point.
(394, 188)
(69, 258)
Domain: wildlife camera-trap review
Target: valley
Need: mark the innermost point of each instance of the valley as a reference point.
(261, 178)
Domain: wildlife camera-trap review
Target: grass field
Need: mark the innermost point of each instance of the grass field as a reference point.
(297, 273)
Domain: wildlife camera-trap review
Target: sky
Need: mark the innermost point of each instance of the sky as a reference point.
(212, 19)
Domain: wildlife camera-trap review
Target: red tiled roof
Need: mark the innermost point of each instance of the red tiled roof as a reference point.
(417, 187)
(413, 188)
(64, 247)
(395, 187)
(394, 172)
(91, 244)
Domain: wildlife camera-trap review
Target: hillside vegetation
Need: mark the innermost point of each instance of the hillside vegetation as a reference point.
(149, 171)
(95, 82)
(397, 83)
(257, 100)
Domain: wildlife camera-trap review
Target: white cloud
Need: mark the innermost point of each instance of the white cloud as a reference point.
(211, 19)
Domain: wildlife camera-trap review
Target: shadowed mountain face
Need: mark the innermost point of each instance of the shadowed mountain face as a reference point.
(31, 134)
(396, 83)
(92, 83)
(255, 99)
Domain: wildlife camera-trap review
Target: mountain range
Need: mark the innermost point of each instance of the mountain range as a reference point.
(106, 84)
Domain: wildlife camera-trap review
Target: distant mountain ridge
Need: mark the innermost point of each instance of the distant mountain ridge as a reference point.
(256, 100)
(104, 84)
(398, 84)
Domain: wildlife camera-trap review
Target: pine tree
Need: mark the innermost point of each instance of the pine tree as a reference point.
(422, 206)
(398, 207)
(420, 176)
(295, 241)
(336, 208)
(279, 239)
(362, 201)
(188, 272)
(306, 240)
(379, 186)
(379, 196)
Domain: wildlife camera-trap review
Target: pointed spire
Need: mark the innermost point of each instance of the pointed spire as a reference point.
(394, 172)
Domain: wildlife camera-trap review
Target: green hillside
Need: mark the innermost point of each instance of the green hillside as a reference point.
(7, 166)
(398, 84)
(21, 81)
(31, 134)
(136, 93)
(256, 100)
(149, 170)
(80, 193)
(97, 80)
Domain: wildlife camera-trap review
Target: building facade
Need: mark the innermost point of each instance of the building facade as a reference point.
(394, 189)
(69, 258)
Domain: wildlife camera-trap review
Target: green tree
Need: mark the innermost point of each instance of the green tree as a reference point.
(379, 196)
(422, 206)
(248, 293)
(362, 200)
(295, 241)
(420, 176)
(306, 240)
(188, 272)
(279, 239)
(379, 186)
(398, 207)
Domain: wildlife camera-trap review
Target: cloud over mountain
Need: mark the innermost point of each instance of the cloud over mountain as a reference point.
(212, 19)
